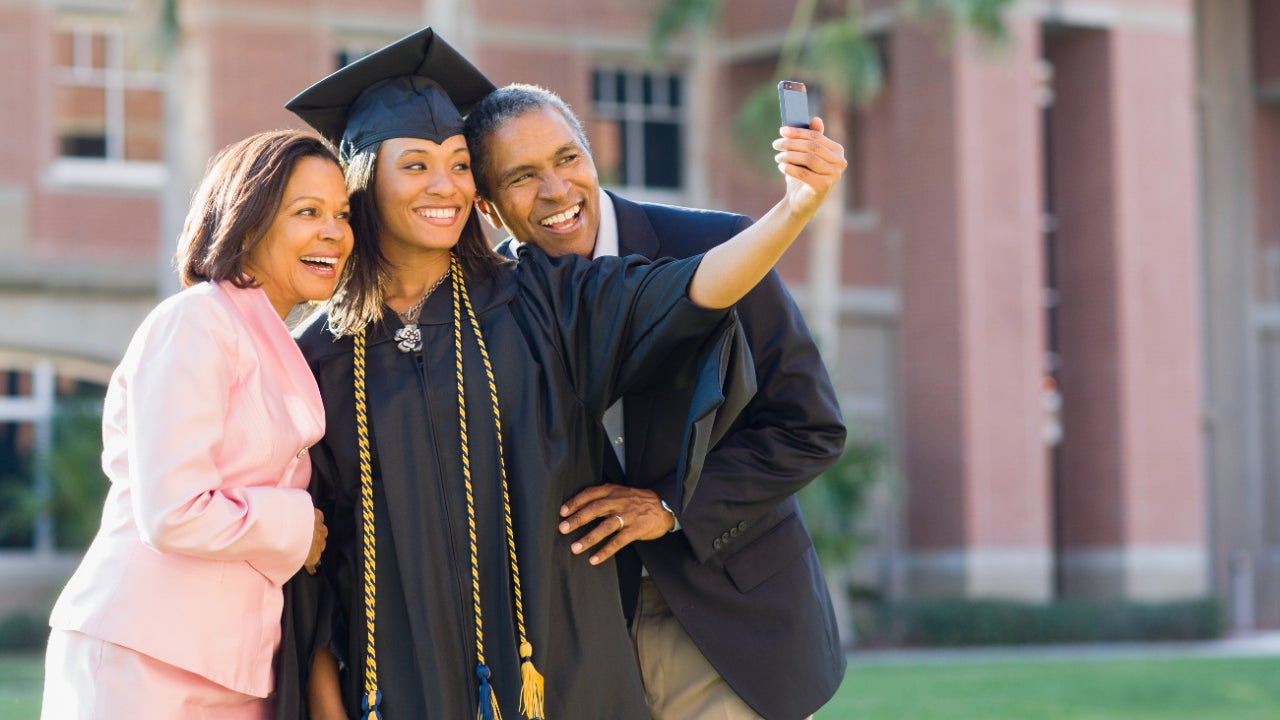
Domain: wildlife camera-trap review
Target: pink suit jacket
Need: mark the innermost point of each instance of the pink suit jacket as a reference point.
(206, 426)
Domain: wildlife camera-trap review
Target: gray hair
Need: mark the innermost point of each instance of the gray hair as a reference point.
(498, 107)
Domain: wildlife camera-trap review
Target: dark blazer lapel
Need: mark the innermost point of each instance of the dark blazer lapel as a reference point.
(635, 237)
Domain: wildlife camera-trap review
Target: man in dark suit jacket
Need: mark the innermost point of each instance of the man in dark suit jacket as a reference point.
(725, 589)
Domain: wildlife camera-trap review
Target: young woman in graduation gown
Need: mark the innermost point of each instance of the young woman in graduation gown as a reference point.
(464, 394)
(175, 610)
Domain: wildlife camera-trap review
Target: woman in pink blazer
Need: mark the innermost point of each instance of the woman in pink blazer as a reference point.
(175, 610)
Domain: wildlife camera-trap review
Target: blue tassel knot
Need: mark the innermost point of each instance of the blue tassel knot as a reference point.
(486, 693)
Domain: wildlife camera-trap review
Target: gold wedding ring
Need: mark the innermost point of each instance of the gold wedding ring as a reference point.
(621, 522)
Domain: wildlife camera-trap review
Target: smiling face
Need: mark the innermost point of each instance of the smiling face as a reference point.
(545, 188)
(424, 192)
(302, 253)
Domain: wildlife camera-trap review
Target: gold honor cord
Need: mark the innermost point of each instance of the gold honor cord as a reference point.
(488, 703)
(532, 683)
(372, 696)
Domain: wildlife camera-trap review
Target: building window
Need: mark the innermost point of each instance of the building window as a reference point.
(108, 108)
(51, 483)
(638, 129)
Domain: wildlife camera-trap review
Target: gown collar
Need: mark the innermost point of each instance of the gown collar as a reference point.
(487, 292)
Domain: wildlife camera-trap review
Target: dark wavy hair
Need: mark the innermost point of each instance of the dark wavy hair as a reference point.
(236, 202)
(359, 297)
(507, 103)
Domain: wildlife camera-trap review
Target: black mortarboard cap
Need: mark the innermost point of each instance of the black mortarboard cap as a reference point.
(417, 87)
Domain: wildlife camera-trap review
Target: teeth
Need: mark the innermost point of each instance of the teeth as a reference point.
(441, 213)
(325, 260)
(566, 215)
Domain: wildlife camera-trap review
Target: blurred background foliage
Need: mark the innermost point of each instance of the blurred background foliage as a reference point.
(836, 499)
(828, 47)
(78, 484)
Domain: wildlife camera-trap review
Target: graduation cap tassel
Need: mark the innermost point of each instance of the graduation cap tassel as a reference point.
(531, 684)
(488, 703)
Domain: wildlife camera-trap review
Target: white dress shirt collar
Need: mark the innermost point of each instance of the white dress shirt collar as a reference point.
(607, 235)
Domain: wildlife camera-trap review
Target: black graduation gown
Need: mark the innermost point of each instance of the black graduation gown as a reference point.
(566, 338)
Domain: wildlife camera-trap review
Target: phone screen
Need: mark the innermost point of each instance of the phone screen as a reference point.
(794, 102)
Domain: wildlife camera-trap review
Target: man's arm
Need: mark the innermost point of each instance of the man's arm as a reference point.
(791, 432)
(812, 163)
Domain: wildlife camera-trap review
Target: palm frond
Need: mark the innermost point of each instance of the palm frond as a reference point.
(843, 56)
(674, 16)
(984, 16)
(756, 124)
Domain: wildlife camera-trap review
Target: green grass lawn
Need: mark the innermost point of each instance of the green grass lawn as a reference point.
(1164, 689)
(20, 685)
(1195, 689)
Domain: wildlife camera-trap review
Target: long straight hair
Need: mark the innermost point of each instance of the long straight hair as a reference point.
(359, 299)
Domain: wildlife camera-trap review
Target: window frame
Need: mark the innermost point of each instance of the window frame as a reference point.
(115, 79)
(633, 113)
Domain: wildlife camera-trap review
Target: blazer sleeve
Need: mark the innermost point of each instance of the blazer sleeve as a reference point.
(178, 390)
(790, 432)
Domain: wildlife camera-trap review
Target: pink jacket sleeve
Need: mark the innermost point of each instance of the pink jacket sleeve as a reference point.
(181, 392)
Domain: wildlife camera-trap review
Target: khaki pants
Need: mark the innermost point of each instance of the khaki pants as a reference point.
(679, 683)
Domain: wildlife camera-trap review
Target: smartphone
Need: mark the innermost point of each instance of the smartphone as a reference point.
(793, 99)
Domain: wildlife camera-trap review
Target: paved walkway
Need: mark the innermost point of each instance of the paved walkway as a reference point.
(1262, 644)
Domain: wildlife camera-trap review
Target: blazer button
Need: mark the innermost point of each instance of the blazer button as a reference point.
(717, 543)
(303, 451)
(742, 525)
(724, 537)
(733, 532)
